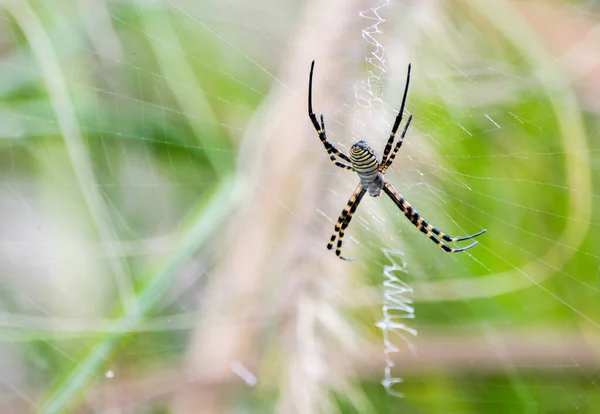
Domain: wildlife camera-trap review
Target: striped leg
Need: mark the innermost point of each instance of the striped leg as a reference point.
(425, 227)
(388, 146)
(338, 249)
(384, 167)
(344, 220)
(329, 147)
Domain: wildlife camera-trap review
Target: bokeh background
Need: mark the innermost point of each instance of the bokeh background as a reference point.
(165, 205)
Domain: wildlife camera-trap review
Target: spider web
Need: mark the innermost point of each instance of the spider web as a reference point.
(166, 206)
(396, 305)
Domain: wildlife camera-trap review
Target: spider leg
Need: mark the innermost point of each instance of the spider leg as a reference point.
(344, 220)
(329, 147)
(390, 160)
(338, 249)
(425, 227)
(388, 146)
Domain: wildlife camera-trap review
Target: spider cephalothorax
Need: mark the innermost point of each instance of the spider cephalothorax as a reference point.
(370, 170)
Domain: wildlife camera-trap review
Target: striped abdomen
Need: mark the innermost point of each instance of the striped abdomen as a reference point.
(365, 163)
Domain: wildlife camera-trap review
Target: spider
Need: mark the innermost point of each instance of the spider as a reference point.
(370, 170)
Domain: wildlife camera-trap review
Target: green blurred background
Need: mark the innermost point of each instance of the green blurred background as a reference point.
(166, 203)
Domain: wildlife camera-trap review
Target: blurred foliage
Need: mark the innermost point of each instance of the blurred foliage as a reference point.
(121, 170)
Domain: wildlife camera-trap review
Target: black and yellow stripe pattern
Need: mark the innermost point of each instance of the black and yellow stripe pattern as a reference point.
(364, 161)
(425, 227)
(367, 166)
(370, 171)
(344, 221)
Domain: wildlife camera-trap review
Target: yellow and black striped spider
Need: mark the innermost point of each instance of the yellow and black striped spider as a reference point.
(370, 171)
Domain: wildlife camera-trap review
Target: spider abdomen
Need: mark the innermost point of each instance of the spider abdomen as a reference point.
(365, 163)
